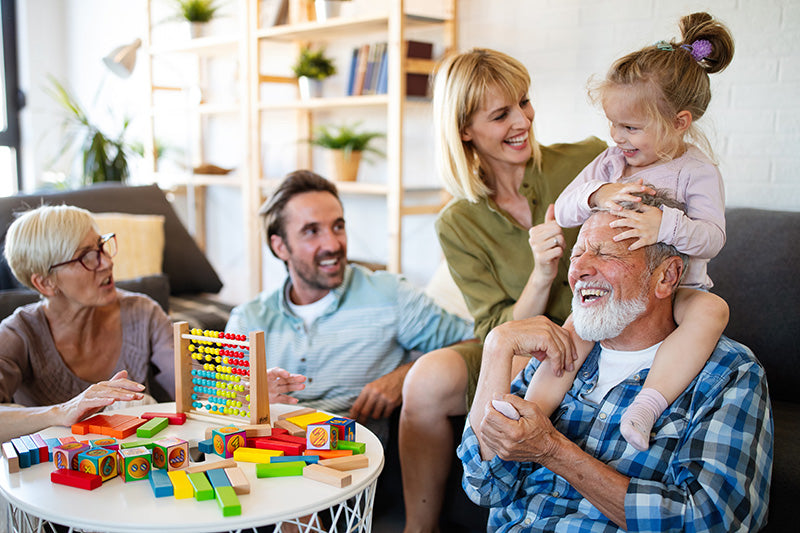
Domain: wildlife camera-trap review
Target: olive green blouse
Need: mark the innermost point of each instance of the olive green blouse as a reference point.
(488, 251)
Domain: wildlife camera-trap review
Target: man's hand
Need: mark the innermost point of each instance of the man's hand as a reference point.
(532, 438)
(379, 398)
(280, 382)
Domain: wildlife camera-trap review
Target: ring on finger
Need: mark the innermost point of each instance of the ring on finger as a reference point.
(555, 242)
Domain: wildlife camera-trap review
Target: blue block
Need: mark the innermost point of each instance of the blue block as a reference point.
(309, 459)
(23, 452)
(218, 478)
(206, 446)
(51, 443)
(159, 481)
(32, 449)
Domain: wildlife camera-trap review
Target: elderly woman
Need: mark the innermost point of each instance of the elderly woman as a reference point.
(85, 344)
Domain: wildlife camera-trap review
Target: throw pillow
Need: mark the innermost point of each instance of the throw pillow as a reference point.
(140, 243)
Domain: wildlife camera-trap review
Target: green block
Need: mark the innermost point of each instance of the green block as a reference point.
(357, 447)
(146, 443)
(294, 468)
(228, 501)
(151, 427)
(202, 487)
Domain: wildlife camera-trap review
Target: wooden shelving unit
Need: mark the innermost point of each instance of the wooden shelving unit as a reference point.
(245, 46)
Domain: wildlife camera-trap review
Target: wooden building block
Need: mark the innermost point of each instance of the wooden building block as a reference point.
(257, 430)
(12, 458)
(238, 480)
(174, 419)
(308, 459)
(98, 423)
(33, 450)
(125, 429)
(268, 443)
(291, 429)
(151, 427)
(209, 465)
(352, 462)
(44, 453)
(80, 428)
(23, 452)
(297, 412)
(160, 483)
(181, 485)
(76, 478)
(228, 501)
(327, 475)
(218, 478)
(202, 487)
(292, 468)
(356, 447)
(311, 418)
(254, 455)
(328, 454)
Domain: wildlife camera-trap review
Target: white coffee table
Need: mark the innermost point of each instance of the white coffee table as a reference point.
(117, 506)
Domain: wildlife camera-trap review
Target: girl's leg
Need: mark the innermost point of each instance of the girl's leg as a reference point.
(434, 389)
(701, 318)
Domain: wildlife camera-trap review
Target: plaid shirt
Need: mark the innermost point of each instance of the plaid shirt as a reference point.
(708, 467)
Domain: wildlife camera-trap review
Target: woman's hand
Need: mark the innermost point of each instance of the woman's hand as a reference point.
(100, 395)
(280, 382)
(547, 244)
(610, 195)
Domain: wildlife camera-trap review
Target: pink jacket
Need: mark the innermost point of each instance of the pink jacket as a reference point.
(692, 178)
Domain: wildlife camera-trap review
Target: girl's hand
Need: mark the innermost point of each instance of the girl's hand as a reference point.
(547, 244)
(100, 395)
(610, 195)
(280, 382)
(644, 226)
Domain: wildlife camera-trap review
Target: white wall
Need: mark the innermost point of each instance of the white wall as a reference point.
(753, 120)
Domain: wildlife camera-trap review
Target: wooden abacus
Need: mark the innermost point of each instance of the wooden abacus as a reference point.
(221, 375)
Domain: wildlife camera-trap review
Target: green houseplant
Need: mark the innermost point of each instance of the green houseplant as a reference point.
(345, 147)
(312, 66)
(198, 13)
(103, 157)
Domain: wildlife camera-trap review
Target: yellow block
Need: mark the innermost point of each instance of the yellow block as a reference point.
(181, 485)
(311, 418)
(254, 455)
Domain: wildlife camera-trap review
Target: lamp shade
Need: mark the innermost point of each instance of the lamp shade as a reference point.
(122, 59)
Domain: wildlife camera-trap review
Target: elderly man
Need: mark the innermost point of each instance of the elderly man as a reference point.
(709, 465)
(347, 329)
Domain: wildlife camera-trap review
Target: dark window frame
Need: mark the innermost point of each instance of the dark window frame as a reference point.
(11, 135)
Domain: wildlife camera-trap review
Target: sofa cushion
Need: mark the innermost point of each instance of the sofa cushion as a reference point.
(185, 264)
(756, 273)
(140, 243)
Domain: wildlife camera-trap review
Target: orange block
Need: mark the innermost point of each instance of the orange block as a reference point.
(328, 454)
(126, 429)
(98, 423)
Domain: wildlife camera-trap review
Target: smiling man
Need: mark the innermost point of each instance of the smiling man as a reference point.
(348, 330)
(709, 465)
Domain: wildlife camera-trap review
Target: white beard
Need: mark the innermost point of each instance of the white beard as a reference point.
(598, 323)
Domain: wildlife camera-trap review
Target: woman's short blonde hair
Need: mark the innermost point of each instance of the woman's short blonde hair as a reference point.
(461, 82)
(43, 237)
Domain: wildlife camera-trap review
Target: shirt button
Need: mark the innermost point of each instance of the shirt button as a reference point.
(636, 377)
(586, 374)
(310, 380)
(556, 494)
(524, 185)
(601, 417)
(302, 359)
(528, 521)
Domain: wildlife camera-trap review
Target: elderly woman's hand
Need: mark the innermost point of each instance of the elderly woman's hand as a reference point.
(99, 395)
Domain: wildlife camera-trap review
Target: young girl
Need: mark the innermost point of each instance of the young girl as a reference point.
(652, 99)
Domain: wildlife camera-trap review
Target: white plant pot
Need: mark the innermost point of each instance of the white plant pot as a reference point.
(327, 9)
(198, 29)
(309, 87)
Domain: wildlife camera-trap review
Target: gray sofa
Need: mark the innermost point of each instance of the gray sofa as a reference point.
(188, 278)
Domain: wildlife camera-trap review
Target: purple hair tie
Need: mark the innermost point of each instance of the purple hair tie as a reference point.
(700, 49)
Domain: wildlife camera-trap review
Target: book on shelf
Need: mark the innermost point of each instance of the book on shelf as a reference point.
(369, 69)
(417, 84)
(361, 70)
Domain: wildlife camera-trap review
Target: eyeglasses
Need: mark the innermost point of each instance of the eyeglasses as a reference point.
(90, 259)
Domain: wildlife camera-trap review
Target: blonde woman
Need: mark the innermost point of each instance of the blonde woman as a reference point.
(85, 344)
(502, 244)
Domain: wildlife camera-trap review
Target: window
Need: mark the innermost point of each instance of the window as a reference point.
(10, 176)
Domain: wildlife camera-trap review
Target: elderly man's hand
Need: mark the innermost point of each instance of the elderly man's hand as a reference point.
(529, 439)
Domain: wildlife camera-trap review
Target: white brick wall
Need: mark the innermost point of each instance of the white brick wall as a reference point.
(754, 117)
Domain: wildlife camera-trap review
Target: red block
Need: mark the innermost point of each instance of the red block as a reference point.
(278, 431)
(76, 478)
(267, 443)
(290, 438)
(44, 453)
(175, 419)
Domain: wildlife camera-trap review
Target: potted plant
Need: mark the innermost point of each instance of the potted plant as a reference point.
(311, 67)
(103, 157)
(345, 147)
(328, 9)
(198, 13)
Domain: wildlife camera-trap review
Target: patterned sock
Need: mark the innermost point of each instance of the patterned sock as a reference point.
(639, 417)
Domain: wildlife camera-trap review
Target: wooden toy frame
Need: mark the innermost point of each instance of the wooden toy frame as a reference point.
(258, 385)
